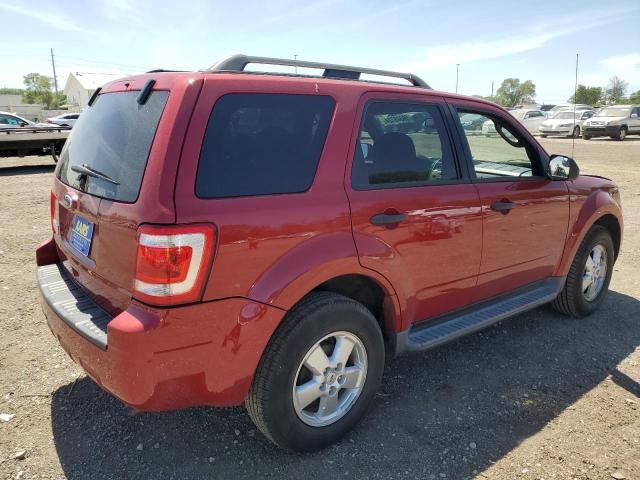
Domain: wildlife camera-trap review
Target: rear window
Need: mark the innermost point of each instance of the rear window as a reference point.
(261, 144)
(113, 138)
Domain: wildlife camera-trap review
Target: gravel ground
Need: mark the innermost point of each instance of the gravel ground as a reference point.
(536, 397)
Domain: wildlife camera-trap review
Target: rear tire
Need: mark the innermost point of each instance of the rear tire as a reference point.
(543, 136)
(578, 298)
(297, 356)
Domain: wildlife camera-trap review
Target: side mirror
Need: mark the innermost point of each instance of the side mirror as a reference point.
(634, 115)
(562, 168)
(23, 124)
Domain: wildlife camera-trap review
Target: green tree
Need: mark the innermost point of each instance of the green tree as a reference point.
(635, 97)
(11, 91)
(586, 95)
(616, 90)
(38, 90)
(512, 92)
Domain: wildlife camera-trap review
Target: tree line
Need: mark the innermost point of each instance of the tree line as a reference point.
(38, 89)
(512, 92)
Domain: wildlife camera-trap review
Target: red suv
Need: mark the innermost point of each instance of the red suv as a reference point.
(225, 237)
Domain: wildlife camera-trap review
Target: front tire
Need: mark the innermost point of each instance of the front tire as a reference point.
(589, 276)
(319, 373)
(585, 136)
(576, 132)
(622, 134)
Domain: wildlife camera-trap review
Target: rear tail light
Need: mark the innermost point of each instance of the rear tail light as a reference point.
(53, 206)
(173, 263)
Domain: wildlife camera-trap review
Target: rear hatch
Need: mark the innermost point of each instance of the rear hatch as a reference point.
(116, 172)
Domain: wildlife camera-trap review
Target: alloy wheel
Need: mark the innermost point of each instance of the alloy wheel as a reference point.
(595, 273)
(330, 379)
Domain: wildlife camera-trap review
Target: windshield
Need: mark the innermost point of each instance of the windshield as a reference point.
(112, 137)
(614, 112)
(519, 114)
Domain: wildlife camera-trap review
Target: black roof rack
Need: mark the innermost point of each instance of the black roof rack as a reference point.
(237, 63)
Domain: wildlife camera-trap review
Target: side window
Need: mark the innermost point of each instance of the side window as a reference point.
(402, 145)
(262, 144)
(8, 120)
(496, 150)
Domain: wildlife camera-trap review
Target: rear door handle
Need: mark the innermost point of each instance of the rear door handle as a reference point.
(502, 206)
(388, 219)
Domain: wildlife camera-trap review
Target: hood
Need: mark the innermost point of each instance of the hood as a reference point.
(602, 120)
(551, 122)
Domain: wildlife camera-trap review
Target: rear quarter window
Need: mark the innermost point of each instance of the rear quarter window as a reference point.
(262, 144)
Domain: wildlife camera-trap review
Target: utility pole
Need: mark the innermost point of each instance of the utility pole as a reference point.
(457, 71)
(491, 88)
(55, 79)
(295, 57)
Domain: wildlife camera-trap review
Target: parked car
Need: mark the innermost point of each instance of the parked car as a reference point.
(546, 107)
(472, 122)
(225, 237)
(529, 118)
(11, 120)
(567, 106)
(615, 121)
(565, 123)
(64, 120)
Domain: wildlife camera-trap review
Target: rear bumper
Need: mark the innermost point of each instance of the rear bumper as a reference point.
(160, 359)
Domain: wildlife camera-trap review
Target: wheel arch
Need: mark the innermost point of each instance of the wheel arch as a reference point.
(611, 223)
(329, 263)
(599, 208)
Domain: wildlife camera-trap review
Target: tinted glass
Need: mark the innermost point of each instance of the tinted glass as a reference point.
(496, 150)
(402, 144)
(260, 144)
(113, 137)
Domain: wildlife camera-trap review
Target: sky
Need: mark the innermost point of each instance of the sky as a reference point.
(491, 40)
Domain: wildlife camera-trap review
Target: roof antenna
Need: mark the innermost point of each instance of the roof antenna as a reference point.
(575, 100)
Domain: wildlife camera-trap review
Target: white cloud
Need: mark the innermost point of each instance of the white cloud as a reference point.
(447, 55)
(628, 64)
(536, 36)
(625, 66)
(55, 20)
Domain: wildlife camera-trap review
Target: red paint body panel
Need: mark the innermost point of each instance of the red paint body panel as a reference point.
(591, 199)
(273, 249)
(524, 244)
(161, 359)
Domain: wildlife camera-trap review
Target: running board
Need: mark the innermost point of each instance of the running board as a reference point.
(433, 333)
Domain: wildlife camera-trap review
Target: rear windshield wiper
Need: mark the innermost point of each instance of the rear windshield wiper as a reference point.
(87, 170)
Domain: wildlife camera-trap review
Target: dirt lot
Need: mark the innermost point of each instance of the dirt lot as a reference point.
(536, 397)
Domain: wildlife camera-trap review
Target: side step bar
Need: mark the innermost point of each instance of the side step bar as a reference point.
(433, 333)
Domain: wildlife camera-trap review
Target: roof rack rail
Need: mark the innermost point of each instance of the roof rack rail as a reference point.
(237, 63)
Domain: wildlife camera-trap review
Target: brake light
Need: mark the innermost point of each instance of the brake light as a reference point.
(53, 206)
(173, 263)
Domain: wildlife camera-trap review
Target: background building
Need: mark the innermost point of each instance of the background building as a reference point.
(80, 86)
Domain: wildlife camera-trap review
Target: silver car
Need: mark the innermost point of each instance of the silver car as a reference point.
(615, 121)
(565, 123)
(530, 118)
(10, 120)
